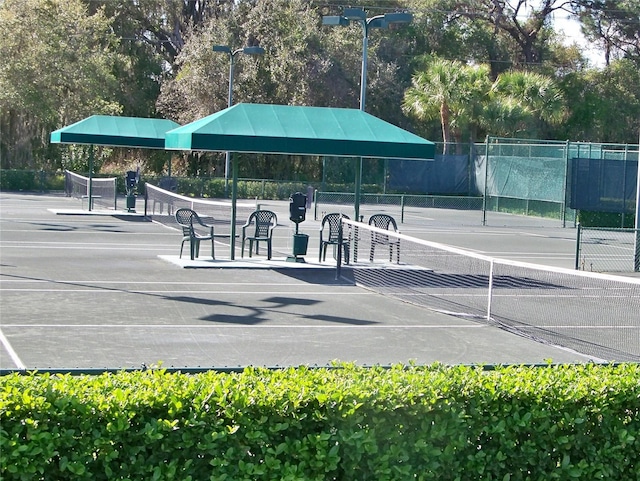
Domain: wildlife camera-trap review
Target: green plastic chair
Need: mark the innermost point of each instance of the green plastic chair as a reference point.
(259, 228)
(194, 231)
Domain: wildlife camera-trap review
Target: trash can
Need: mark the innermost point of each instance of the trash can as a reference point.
(131, 181)
(131, 202)
(300, 243)
(297, 214)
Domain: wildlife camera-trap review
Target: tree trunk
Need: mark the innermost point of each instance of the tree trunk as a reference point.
(446, 131)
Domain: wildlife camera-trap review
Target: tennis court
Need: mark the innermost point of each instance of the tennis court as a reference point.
(108, 292)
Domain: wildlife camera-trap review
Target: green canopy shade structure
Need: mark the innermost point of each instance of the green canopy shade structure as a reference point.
(297, 130)
(132, 132)
(114, 131)
(286, 129)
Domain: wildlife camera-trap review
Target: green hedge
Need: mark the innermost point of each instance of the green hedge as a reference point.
(30, 180)
(606, 219)
(214, 187)
(343, 423)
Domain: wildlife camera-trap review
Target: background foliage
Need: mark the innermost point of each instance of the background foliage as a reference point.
(65, 60)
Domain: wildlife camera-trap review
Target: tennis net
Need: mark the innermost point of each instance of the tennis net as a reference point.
(103, 190)
(161, 205)
(591, 313)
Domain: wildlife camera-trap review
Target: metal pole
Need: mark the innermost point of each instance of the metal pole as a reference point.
(578, 237)
(637, 223)
(356, 205)
(363, 96)
(339, 259)
(234, 196)
(486, 178)
(624, 185)
(563, 214)
(227, 159)
(90, 190)
(363, 74)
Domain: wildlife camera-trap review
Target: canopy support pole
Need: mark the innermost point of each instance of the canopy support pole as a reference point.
(234, 196)
(356, 204)
(90, 187)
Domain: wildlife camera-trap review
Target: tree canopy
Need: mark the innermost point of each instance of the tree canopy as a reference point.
(503, 68)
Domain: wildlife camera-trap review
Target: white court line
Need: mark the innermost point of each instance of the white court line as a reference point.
(104, 247)
(97, 289)
(83, 233)
(222, 325)
(12, 354)
(63, 244)
(597, 326)
(163, 283)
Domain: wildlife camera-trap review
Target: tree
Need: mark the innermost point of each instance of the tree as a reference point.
(160, 24)
(528, 29)
(614, 25)
(464, 99)
(57, 69)
(604, 104)
(518, 101)
(450, 91)
(294, 69)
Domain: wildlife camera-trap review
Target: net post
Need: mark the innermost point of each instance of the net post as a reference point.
(490, 290)
(339, 259)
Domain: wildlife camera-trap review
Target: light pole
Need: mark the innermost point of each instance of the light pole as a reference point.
(379, 21)
(636, 258)
(252, 50)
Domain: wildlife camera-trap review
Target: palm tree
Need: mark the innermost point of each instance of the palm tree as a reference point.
(450, 90)
(465, 100)
(518, 100)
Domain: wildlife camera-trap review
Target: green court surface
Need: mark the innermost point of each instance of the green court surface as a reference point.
(106, 290)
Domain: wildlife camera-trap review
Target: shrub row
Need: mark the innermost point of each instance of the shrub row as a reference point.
(606, 219)
(30, 180)
(343, 423)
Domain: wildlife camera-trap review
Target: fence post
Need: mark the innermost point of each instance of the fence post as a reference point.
(636, 257)
(637, 219)
(486, 177)
(579, 231)
(402, 209)
(563, 215)
(315, 204)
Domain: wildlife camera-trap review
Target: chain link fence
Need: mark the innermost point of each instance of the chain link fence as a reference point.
(396, 205)
(600, 249)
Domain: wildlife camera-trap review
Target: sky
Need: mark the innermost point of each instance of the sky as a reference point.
(570, 27)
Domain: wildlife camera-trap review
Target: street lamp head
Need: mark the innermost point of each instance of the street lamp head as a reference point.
(221, 48)
(255, 50)
(398, 17)
(335, 21)
(356, 14)
(378, 22)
